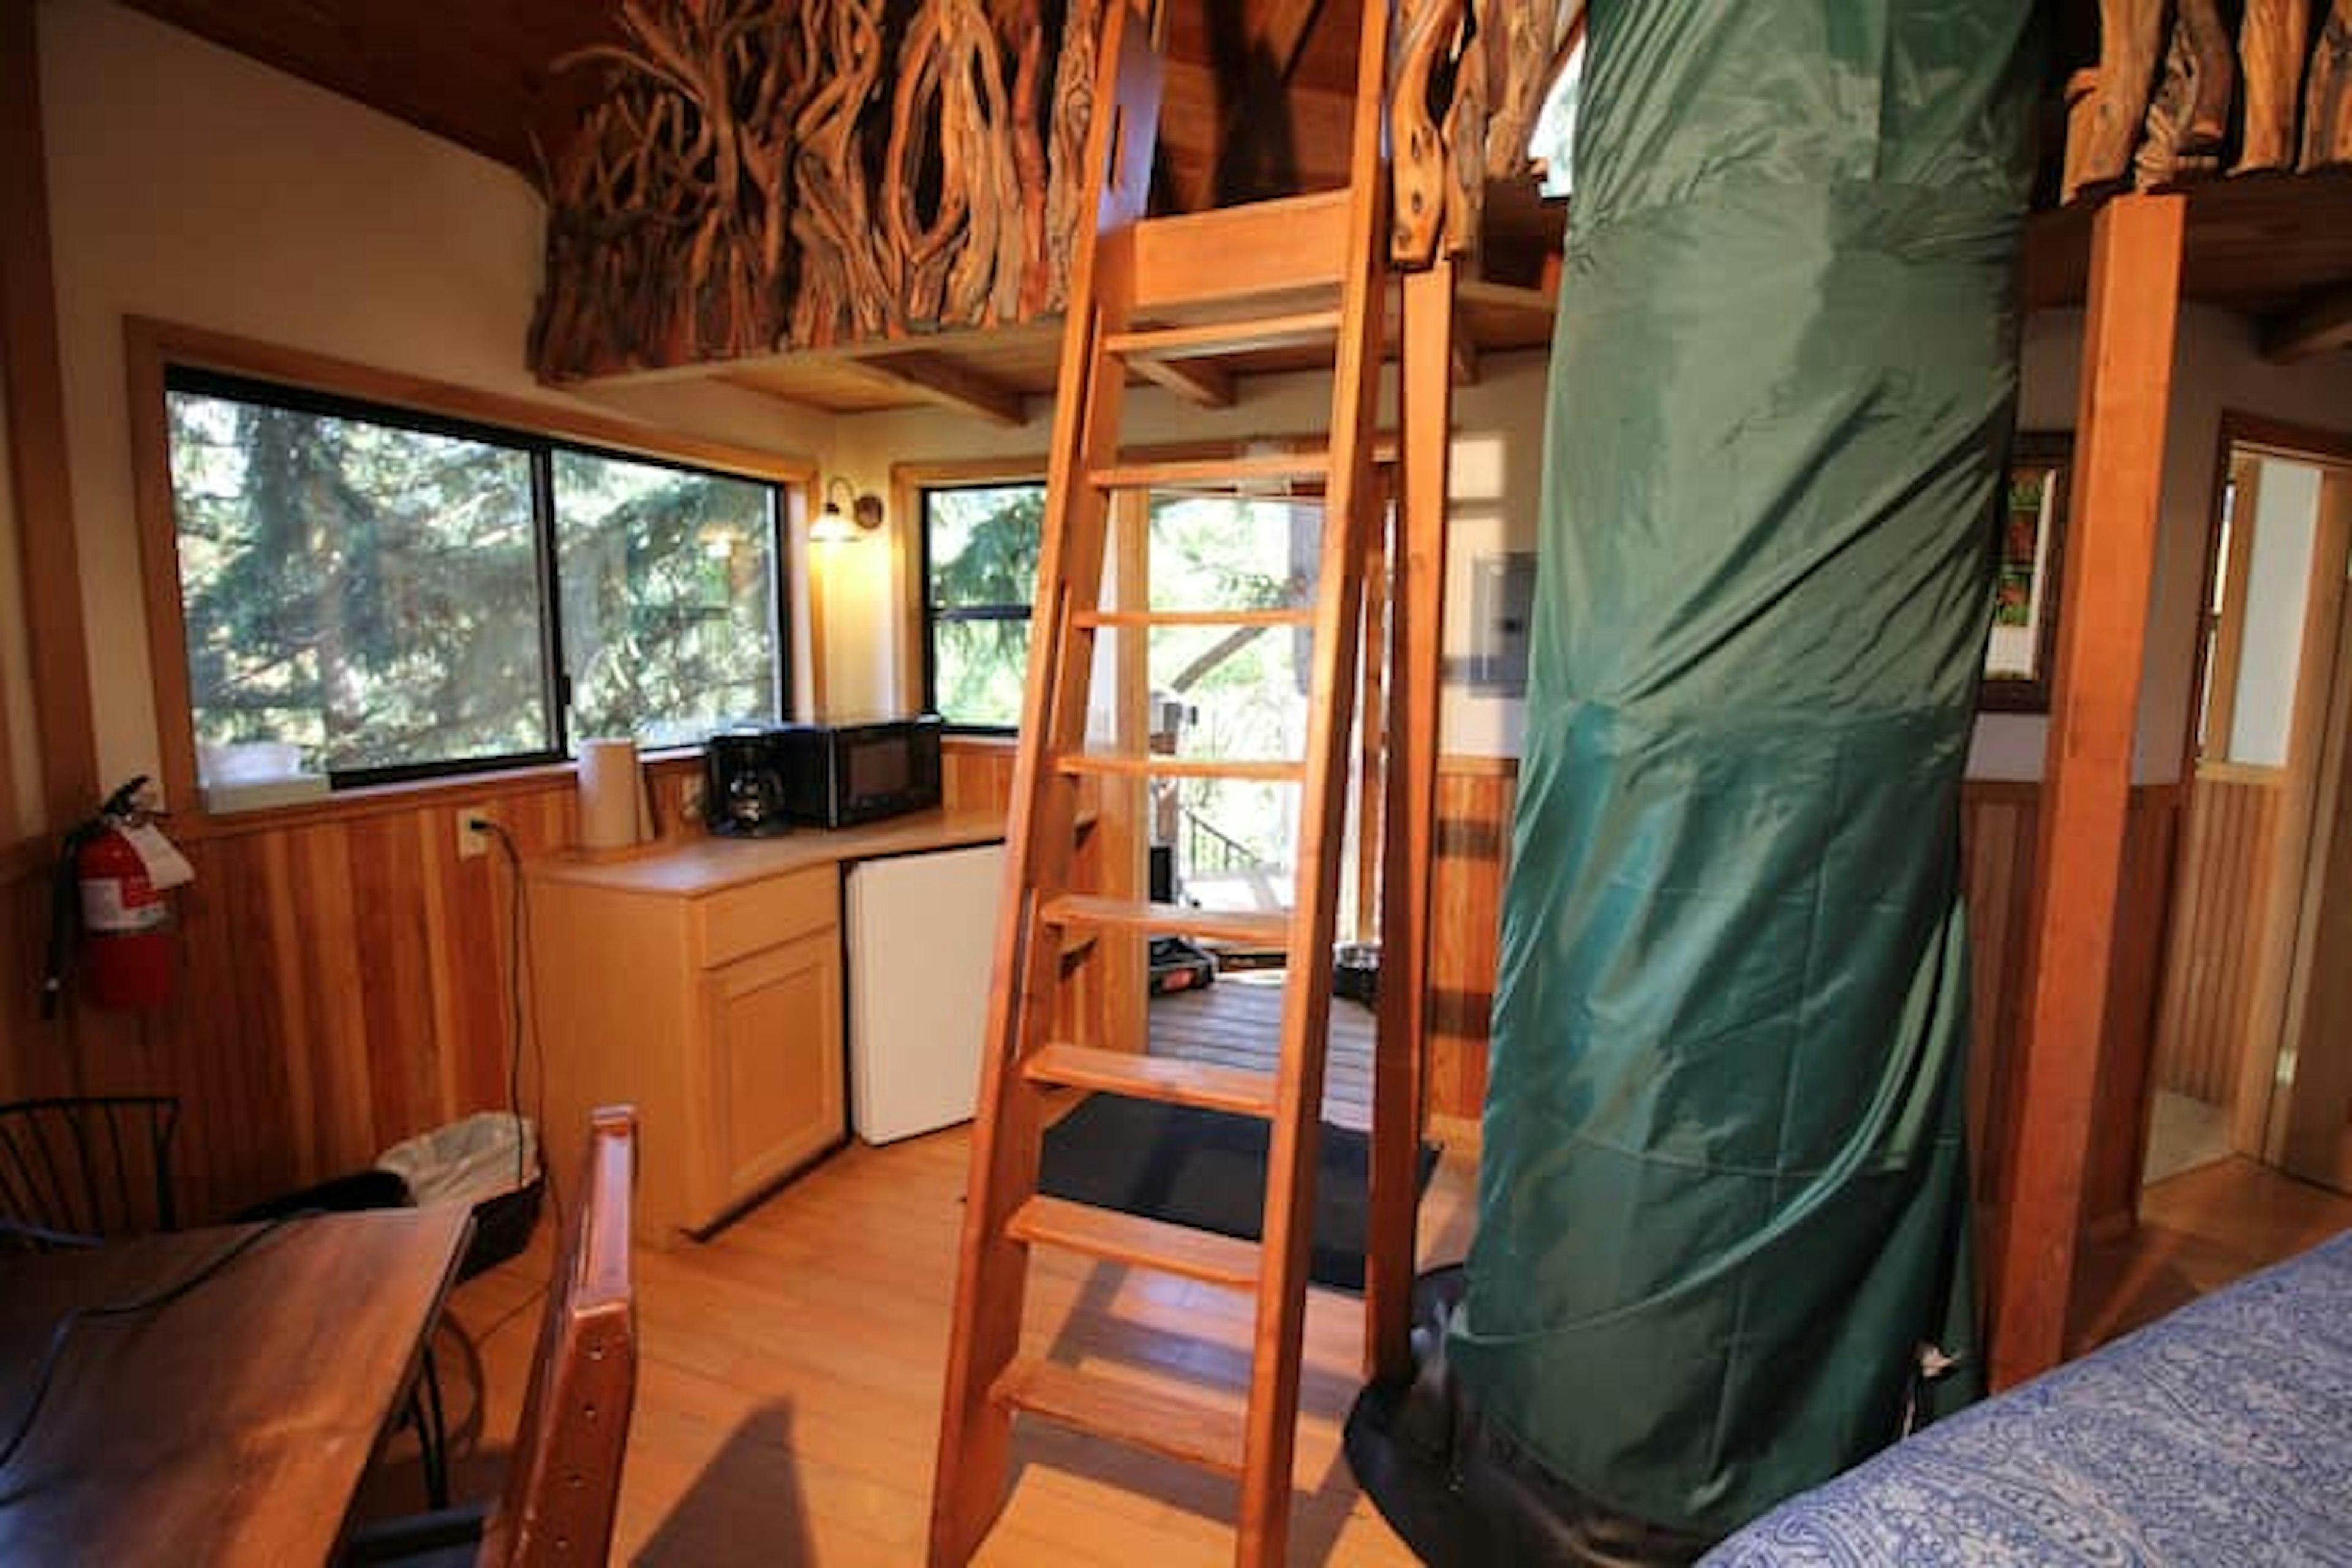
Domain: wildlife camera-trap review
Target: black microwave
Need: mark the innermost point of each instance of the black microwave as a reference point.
(775, 778)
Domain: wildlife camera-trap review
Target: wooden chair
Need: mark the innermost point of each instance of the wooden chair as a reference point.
(563, 1482)
(75, 1172)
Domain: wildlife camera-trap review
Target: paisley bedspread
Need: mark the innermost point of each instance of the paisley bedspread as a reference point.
(2222, 1434)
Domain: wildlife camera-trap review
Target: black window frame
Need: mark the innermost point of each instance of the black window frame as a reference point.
(934, 614)
(541, 448)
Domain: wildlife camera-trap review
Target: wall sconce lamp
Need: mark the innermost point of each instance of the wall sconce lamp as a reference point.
(864, 516)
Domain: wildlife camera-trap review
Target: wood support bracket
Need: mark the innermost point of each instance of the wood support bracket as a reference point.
(1194, 380)
(951, 386)
(2316, 325)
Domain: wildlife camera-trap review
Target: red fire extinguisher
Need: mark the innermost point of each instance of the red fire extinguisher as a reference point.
(107, 892)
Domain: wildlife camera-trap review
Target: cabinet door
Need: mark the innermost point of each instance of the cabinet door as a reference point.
(775, 1068)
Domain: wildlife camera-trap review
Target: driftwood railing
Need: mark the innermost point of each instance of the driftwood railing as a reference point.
(1469, 78)
(767, 175)
(2155, 109)
(770, 175)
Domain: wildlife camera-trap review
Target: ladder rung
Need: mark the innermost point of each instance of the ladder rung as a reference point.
(1165, 1078)
(1290, 617)
(1257, 250)
(1249, 334)
(1214, 473)
(1127, 914)
(1172, 767)
(1160, 1419)
(1155, 1244)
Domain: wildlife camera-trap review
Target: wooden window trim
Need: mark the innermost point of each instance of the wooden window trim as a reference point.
(49, 574)
(153, 346)
(908, 480)
(2265, 437)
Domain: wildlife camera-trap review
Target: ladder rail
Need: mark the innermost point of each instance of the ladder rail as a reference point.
(975, 1429)
(1128, 269)
(1269, 1445)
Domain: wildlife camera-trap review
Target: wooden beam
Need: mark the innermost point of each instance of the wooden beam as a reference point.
(2126, 379)
(1194, 380)
(1416, 634)
(951, 385)
(2316, 325)
(48, 559)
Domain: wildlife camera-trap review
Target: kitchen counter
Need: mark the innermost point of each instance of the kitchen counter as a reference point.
(693, 866)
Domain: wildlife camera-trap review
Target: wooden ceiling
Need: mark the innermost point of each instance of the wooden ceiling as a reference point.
(484, 75)
(480, 74)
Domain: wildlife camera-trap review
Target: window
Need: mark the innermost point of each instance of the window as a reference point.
(980, 555)
(369, 593)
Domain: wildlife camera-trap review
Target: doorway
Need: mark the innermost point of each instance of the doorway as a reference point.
(2254, 1048)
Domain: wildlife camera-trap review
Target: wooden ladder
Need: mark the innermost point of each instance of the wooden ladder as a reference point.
(1161, 298)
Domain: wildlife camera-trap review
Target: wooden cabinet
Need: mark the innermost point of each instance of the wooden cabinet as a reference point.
(775, 1085)
(718, 1017)
(701, 983)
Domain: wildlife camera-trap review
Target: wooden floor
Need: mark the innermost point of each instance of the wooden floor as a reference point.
(788, 1393)
(789, 1389)
(2197, 1232)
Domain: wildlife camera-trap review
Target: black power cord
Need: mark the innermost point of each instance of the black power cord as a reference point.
(518, 924)
(45, 1372)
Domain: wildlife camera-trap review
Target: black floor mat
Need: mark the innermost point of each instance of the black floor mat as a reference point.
(1206, 1169)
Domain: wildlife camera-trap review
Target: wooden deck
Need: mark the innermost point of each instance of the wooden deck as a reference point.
(1237, 1022)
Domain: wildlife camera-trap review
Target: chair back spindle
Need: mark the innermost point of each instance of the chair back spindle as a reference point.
(75, 1170)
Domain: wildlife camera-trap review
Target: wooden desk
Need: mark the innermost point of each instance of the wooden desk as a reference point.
(232, 1424)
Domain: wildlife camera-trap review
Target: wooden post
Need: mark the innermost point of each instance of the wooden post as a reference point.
(50, 568)
(2126, 379)
(1425, 393)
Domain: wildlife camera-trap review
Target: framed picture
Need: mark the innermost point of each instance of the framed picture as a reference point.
(2028, 552)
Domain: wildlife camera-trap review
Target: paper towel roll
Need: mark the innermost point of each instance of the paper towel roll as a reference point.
(611, 795)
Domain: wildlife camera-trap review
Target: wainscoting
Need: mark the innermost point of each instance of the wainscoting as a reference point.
(2228, 835)
(344, 976)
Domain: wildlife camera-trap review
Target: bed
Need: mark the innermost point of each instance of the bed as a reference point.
(2219, 1435)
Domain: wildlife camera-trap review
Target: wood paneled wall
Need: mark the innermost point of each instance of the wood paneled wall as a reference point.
(2227, 835)
(343, 978)
(1998, 823)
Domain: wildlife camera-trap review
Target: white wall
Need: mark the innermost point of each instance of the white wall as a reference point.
(1495, 483)
(2278, 594)
(1496, 486)
(2215, 367)
(190, 183)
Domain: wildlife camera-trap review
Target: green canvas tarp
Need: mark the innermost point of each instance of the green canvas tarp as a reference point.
(1723, 1200)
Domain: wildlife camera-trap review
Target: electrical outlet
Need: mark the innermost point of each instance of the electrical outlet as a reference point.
(689, 798)
(472, 841)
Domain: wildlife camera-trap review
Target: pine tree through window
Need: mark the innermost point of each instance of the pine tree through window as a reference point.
(372, 593)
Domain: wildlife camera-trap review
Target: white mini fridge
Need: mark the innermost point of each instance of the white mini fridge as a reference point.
(922, 936)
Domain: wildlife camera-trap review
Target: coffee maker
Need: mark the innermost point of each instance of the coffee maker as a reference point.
(743, 785)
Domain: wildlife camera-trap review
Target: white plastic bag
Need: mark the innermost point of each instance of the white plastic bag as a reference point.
(466, 1162)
